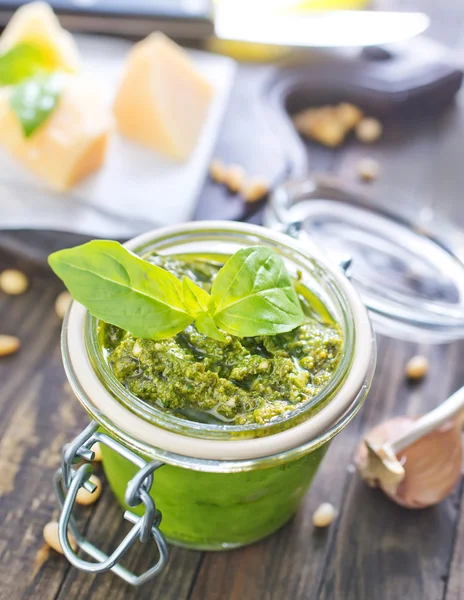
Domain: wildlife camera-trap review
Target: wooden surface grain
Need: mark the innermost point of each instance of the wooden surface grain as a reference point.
(374, 551)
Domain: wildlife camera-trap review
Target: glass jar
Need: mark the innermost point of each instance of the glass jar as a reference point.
(216, 486)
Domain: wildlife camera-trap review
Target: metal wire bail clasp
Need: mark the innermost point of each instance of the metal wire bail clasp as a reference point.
(67, 483)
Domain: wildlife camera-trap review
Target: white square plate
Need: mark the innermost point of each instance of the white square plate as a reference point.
(136, 189)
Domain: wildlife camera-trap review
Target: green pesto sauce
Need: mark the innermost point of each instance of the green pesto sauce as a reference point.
(240, 381)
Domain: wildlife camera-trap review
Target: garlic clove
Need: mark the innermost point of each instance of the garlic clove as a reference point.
(433, 468)
(382, 465)
(378, 470)
(432, 465)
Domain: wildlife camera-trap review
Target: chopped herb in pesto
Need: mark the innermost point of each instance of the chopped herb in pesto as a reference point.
(239, 381)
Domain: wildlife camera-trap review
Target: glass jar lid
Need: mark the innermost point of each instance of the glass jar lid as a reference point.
(407, 265)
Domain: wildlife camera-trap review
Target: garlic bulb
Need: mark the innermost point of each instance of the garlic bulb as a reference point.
(431, 465)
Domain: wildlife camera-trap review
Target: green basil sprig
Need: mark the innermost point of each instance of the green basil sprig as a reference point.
(20, 62)
(34, 99)
(36, 89)
(251, 295)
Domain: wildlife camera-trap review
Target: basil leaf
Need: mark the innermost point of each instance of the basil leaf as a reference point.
(206, 325)
(196, 299)
(123, 289)
(253, 295)
(34, 100)
(198, 303)
(20, 62)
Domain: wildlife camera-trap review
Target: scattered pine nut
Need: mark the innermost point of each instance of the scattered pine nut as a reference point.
(417, 367)
(9, 344)
(13, 282)
(329, 131)
(62, 302)
(50, 534)
(328, 125)
(368, 169)
(349, 114)
(40, 558)
(96, 449)
(369, 130)
(305, 121)
(235, 178)
(86, 498)
(218, 171)
(324, 515)
(255, 189)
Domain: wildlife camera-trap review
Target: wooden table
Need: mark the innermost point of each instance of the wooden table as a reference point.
(374, 551)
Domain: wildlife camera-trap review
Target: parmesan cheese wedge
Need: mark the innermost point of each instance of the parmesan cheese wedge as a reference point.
(36, 23)
(163, 100)
(71, 143)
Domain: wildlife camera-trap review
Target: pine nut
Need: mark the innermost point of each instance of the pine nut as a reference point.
(13, 282)
(329, 132)
(324, 515)
(9, 344)
(255, 189)
(86, 498)
(41, 558)
(349, 114)
(50, 535)
(369, 130)
(368, 169)
(96, 449)
(235, 178)
(62, 303)
(217, 171)
(417, 367)
(306, 120)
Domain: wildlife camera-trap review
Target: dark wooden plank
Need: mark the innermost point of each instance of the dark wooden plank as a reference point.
(454, 589)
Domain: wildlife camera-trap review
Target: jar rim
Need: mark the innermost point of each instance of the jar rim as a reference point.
(119, 419)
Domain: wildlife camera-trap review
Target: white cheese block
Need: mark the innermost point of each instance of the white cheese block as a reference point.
(36, 23)
(70, 144)
(163, 99)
